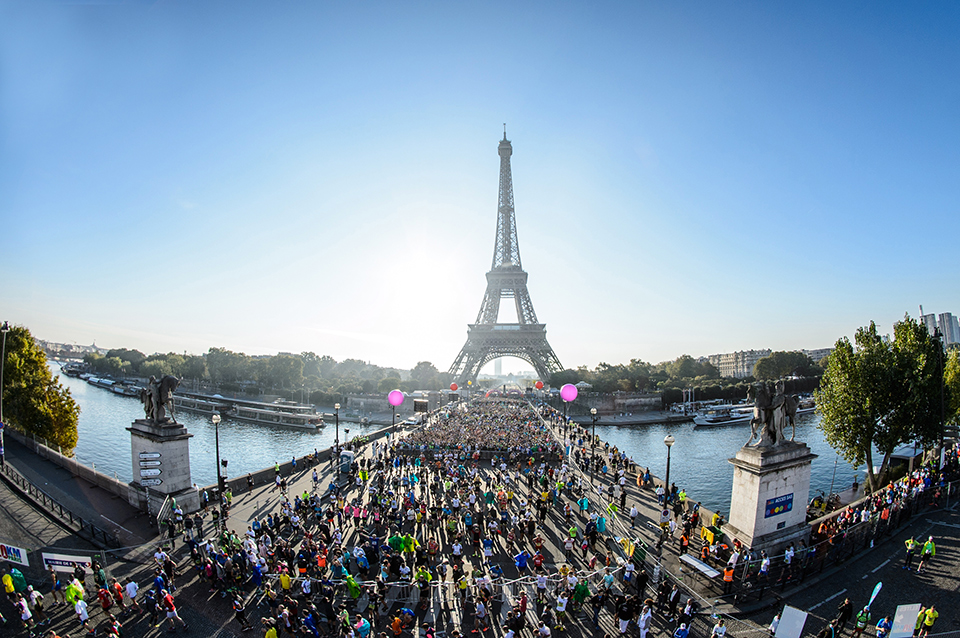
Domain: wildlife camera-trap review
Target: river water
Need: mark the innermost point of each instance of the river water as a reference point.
(105, 442)
(698, 459)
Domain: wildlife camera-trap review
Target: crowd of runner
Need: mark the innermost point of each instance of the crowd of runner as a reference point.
(506, 426)
(423, 518)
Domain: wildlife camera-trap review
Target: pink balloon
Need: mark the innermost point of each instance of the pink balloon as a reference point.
(396, 397)
(453, 386)
(569, 392)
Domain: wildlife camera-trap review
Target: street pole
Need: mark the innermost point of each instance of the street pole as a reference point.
(668, 441)
(5, 328)
(336, 440)
(593, 441)
(216, 430)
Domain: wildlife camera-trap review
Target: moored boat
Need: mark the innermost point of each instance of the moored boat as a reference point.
(281, 412)
(724, 415)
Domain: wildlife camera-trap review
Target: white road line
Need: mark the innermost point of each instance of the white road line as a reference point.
(879, 567)
(839, 593)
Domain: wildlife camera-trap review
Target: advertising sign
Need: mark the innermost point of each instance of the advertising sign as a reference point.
(904, 621)
(65, 562)
(792, 621)
(778, 505)
(17, 555)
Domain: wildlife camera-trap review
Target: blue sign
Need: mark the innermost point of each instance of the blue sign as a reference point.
(779, 505)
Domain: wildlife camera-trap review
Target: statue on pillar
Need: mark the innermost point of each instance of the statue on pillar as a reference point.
(157, 399)
(773, 410)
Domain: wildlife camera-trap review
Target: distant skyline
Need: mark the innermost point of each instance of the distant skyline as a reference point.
(689, 179)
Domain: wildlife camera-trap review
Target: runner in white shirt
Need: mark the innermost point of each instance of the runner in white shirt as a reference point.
(561, 609)
(541, 587)
(132, 590)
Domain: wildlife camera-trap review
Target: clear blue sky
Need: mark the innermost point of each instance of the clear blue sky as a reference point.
(689, 177)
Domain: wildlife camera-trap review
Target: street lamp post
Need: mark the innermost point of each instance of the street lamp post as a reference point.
(593, 441)
(5, 328)
(216, 430)
(336, 441)
(668, 441)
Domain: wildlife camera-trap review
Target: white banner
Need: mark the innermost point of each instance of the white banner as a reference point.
(904, 621)
(16, 555)
(791, 623)
(66, 562)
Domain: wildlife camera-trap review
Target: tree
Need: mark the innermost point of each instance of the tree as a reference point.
(134, 357)
(951, 379)
(33, 400)
(195, 367)
(785, 364)
(388, 384)
(284, 371)
(880, 394)
(424, 373)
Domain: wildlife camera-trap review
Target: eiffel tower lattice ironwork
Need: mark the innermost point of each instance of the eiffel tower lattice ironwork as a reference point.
(487, 339)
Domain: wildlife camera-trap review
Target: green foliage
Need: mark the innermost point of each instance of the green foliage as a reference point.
(388, 384)
(881, 394)
(951, 378)
(33, 400)
(785, 364)
(639, 376)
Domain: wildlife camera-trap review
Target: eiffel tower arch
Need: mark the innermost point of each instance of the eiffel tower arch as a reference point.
(487, 339)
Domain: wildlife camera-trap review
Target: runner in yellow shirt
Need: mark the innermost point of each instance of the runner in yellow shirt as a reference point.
(929, 617)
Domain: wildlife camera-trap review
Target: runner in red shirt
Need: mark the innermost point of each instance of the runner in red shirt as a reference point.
(106, 601)
(171, 609)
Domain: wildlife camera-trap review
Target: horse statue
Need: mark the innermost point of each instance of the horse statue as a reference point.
(773, 411)
(157, 399)
(167, 385)
(759, 424)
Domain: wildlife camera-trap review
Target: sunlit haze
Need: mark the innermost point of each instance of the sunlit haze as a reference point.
(689, 177)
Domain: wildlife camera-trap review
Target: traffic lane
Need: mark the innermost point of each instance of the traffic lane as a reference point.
(857, 578)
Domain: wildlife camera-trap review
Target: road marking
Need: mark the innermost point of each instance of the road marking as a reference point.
(839, 593)
(954, 525)
(879, 567)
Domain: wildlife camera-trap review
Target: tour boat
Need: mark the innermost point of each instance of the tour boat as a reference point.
(724, 415)
(281, 412)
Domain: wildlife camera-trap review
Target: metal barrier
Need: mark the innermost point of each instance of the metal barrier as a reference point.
(50, 505)
(164, 512)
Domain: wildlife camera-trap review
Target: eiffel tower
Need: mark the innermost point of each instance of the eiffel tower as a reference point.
(487, 339)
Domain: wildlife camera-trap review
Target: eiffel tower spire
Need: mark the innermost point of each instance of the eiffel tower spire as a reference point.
(506, 251)
(487, 339)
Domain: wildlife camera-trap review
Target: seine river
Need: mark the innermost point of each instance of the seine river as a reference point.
(698, 460)
(105, 442)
